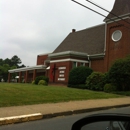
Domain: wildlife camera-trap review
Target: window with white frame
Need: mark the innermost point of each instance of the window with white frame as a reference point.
(74, 64)
(82, 64)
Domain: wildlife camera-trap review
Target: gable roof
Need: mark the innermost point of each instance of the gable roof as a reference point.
(90, 41)
(120, 8)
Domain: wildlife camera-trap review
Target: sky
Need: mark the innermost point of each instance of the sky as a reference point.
(32, 27)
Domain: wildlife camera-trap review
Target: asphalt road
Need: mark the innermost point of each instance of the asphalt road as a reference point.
(58, 123)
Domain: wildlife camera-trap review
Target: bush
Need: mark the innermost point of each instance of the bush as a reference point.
(109, 88)
(33, 82)
(42, 82)
(119, 74)
(78, 75)
(95, 81)
(41, 78)
(106, 78)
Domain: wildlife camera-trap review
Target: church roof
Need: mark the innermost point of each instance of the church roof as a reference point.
(90, 41)
(120, 8)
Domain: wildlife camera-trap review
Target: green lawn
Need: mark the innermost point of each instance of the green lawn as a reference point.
(14, 94)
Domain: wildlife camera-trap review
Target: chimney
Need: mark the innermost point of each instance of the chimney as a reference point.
(73, 30)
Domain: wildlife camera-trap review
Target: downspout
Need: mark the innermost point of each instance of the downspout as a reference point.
(106, 50)
(105, 38)
(89, 61)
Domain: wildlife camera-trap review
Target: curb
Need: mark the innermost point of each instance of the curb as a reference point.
(20, 119)
(39, 116)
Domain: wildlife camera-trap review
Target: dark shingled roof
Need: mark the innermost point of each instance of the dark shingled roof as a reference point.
(121, 7)
(90, 41)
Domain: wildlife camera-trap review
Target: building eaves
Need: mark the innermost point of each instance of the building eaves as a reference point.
(27, 68)
(67, 53)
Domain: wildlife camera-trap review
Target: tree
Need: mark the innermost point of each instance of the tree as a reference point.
(15, 61)
(1, 61)
(4, 71)
(9, 64)
(7, 61)
(21, 66)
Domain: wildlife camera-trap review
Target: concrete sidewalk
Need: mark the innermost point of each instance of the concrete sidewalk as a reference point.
(17, 114)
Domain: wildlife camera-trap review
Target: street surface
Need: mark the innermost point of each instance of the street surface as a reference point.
(59, 123)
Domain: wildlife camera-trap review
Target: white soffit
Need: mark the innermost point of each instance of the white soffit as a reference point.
(69, 59)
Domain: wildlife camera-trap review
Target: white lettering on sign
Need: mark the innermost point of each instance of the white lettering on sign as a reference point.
(62, 68)
(61, 75)
(62, 72)
(61, 79)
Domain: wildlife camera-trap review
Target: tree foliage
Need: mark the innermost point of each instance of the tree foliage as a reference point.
(15, 61)
(9, 64)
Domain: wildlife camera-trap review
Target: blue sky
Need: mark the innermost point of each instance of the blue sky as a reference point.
(32, 27)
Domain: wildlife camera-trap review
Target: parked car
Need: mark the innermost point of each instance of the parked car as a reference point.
(103, 122)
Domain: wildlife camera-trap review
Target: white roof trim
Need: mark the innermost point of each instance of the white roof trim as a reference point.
(111, 20)
(28, 68)
(69, 59)
(67, 53)
(43, 54)
(97, 55)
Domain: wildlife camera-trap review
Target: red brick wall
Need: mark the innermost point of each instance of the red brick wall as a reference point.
(41, 59)
(119, 49)
(97, 65)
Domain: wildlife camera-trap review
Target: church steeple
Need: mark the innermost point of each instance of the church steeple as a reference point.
(121, 8)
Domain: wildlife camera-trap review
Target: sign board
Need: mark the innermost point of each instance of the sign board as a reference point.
(62, 68)
(61, 75)
(61, 72)
(61, 79)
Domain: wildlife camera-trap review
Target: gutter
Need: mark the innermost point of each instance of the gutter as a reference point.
(59, 54)
(94, 56)
(28, 68)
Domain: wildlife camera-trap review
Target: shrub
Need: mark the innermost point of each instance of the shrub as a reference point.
(33, 82)
(119, 74)
(42, 82)
(78, 75)
(109, 88)
(95, 81)
(41, 78)
(106, 78)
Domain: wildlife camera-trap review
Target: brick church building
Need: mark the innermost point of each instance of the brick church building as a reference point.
(96, 47)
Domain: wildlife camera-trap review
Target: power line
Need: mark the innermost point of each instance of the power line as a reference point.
(88, 8)
(97, 12)
(107, 11)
